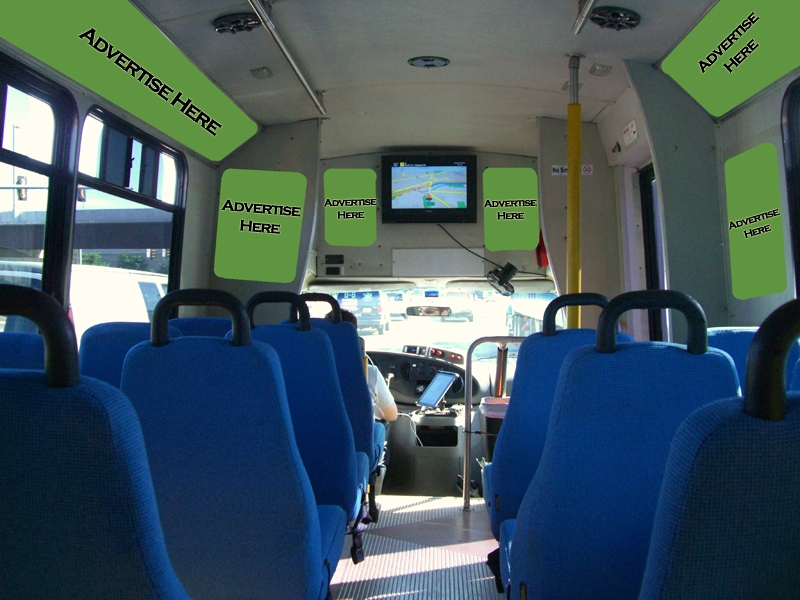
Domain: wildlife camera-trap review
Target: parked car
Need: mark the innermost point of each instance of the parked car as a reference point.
(370, 308)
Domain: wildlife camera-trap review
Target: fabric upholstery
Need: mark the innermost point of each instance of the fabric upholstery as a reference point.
(78, 512)
(332, 524)
(21, 351)
(104, 347)
(207, 326)
(583, 527)
(728, 515)
(521, 437)
(320, 421)
(736, 342)
(355, 392)
(239, 516)
(507, 528)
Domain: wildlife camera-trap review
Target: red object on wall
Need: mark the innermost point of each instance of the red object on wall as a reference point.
(541, 252)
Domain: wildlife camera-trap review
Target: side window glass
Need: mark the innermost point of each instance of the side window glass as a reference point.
(124, 223)
(28, 127)
(151, 296)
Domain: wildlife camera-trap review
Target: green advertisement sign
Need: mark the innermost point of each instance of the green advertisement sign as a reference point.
(350, 207)
(112, 49)
(739, 48)
(755, 223)
(258, 226)
(510, 209)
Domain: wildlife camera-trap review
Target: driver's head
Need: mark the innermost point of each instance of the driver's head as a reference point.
(347, 317)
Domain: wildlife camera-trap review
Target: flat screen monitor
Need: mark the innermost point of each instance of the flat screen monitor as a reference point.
(429, 189)
(436, 389)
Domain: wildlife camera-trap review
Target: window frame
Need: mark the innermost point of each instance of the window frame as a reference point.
(177, 208)
(64, 177)
(62, 171)
(790, 129)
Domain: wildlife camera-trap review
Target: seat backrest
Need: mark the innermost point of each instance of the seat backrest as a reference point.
(209, 326)
(321, 425)
(105, 345)
(736, 342)
(521, 437)
(728, 517)
(238, 512)
(350, 370)
(21, 351)
(78, 513)
(584, 525)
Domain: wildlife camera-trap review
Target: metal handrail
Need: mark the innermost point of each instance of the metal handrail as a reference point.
(503, 339)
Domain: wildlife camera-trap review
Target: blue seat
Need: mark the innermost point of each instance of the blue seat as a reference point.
(736, 342)
(239, 515)
(352, 379)
(338, 473)
(521, 437)
(21, 351)
(583, 528)
(78, 513)
(728, 515)
(208, 326)
(105, 345)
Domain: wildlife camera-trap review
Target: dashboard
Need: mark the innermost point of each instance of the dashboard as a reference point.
(413, 373)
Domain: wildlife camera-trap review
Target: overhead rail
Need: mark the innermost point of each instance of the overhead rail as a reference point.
(259, 9)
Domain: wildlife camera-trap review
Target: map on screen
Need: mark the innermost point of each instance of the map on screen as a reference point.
(429, 186)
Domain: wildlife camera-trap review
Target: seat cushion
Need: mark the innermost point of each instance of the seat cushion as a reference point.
(507, 528)
(332, 524)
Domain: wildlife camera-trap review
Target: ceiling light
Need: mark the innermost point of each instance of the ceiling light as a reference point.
(236, 22)
(614, 17)
(599, 70)
(261, 73)
(428, 62)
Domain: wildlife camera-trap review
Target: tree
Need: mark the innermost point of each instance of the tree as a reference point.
(132, 261)
(88, 258)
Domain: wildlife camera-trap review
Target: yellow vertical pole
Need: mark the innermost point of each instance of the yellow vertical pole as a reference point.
(574, 194)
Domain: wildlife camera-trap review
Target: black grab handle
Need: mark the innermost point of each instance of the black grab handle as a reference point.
(588, 298)
(293, 299)
(764, 388)
(60, 344)
(697, 340)
(159, 331)
(318, 297)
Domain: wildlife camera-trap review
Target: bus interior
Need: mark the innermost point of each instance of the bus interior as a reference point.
(426, 110)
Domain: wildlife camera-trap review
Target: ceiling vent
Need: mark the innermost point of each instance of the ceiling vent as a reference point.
(429, 62)
(614, 17)
(236, 23)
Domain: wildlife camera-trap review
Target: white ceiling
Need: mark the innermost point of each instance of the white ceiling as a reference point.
(508, 64)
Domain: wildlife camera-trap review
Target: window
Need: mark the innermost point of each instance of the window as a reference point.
(28, 128)
(126, 217)
(790, 121)
(114, 242)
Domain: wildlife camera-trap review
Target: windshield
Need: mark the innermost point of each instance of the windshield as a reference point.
(384, 324)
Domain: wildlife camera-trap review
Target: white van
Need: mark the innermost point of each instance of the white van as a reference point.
(97, 294)
(103, 294)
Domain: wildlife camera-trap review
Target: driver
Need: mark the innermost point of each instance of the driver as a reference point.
(382, 400)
